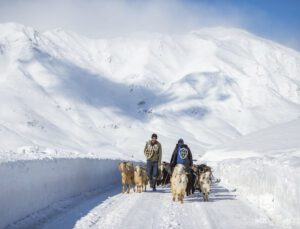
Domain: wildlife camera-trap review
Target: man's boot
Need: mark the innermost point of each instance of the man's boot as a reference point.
(151, 182)
(154, 184)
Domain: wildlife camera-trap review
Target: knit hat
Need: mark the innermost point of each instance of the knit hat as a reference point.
(180, 141)
(154, 136)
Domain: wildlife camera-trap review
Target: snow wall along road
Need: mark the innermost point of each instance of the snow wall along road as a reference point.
(28, 186)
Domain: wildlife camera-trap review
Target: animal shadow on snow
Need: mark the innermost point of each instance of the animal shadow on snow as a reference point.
(159, 189)
(217, 193)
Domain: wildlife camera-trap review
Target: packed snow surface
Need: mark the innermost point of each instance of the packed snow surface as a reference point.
(146, 210)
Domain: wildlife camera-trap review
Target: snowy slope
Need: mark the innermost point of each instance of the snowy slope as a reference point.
(65, 94)
(269, 142)
(65, 98)
(264, 167)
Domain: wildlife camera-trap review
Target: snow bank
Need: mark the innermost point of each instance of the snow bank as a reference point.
(264, 167)
(270, 183)
(28, 186)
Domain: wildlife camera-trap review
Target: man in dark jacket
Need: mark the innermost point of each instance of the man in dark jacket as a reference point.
(153, 153)
(182, 155)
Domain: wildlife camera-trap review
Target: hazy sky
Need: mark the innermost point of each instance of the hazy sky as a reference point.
(273, 19)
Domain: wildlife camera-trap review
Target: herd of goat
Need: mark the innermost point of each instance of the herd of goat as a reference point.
(183, 181)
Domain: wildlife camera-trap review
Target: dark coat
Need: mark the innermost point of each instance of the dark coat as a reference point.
(189, 160)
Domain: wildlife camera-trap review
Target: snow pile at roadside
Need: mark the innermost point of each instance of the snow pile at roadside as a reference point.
(28, 186)
(270, 183)
(38, 153)
(264, 167)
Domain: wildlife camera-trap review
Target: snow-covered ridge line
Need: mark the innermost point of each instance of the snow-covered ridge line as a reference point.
(28, 186)
(64, 91)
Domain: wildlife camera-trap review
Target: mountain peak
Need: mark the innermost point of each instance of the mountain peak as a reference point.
(225, 81)
(13, 32)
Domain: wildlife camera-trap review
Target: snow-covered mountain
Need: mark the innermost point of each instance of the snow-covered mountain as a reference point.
(63, 93)
(87, 102)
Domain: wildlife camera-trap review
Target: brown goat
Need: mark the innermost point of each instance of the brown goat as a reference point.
(127, 174)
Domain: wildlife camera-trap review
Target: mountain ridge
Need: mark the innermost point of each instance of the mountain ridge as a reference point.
(207, 86)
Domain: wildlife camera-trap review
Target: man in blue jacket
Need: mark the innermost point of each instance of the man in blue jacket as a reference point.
(182, 155)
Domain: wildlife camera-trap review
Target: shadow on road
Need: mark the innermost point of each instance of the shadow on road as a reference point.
(66, 212)
(218, 193)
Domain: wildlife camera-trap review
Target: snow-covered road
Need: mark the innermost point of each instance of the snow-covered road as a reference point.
(110, 209)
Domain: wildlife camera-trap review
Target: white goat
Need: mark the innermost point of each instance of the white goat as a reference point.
(179, 182)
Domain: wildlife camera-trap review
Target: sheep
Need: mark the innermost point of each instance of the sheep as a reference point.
(127, 174)
(145, 178)
(179, 182)
(138, 178)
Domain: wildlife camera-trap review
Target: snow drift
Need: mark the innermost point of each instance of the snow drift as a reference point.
(264, 167)
(28, 186)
